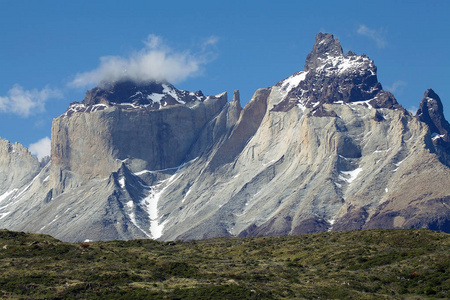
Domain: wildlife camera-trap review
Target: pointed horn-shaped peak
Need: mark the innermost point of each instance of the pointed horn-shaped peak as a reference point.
(236, 96)
(431, 111)
(324, 46)
(431, 94)
(431, 103)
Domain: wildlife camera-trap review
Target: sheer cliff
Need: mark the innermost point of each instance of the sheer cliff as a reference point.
(324, 149)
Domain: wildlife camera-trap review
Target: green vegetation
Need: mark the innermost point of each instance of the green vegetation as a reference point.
(371, 264)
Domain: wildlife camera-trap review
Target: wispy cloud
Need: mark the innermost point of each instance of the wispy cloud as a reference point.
(412, 110)
(26, 102)
(396, 87)
(41, 148)
(155, 62)
(377, 35)
(211, 41)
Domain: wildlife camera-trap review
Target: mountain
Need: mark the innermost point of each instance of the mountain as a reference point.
(324, 149)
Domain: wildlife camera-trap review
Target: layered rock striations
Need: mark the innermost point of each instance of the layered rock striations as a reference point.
(325, 149)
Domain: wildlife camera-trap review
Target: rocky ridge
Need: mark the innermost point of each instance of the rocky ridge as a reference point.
(329, 77)
(325, 149)
(129, 95)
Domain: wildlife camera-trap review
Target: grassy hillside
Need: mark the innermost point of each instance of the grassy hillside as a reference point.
(372, 264)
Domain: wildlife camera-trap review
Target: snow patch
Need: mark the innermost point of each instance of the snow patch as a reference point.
(381, 151)
(435, 136)
(331, 222)
(185, 196)
(366, 102)
(269, 163)
(122, 182)
(301, 106)
(2, 215)
(155, 97)
(350, 176)
(7, 194)
(150, 205)
(169, 91)
(399, 163)
(56, 218)
(338, 65)
(293, 81)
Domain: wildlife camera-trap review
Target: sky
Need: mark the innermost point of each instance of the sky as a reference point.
(52, 52)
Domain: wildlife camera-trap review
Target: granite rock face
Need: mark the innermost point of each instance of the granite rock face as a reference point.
(324, 149)
(17, 166)
(89, 143)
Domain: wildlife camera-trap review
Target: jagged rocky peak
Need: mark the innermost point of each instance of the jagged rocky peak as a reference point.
(431, 112)
(17, 166)
(324, 47)
(129, 94)
(331, 77)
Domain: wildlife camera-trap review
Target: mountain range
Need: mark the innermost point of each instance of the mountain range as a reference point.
(324, 149)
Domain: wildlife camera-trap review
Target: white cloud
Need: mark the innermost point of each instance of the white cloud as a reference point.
(26, 102)
(211, 41)
(156, 61)
(373, 34)
(41, 148)
(396, 87)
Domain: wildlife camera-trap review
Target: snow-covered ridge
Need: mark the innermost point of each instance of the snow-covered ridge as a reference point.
(80, 107)
(341, 65)
(292, 81)
(132, 97)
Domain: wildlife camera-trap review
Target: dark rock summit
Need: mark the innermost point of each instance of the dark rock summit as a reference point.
(330, 76)
(325, 46)
(132, 95)
(431, 112)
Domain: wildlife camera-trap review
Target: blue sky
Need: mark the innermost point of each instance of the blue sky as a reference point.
(51, 52)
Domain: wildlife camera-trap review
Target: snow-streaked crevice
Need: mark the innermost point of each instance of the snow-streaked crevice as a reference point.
(350, 176)
(150, 205)
(7, 194)
(331, 222)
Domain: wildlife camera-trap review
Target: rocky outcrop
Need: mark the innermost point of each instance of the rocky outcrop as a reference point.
(21, 176)
(17, 166)
(324, 149)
